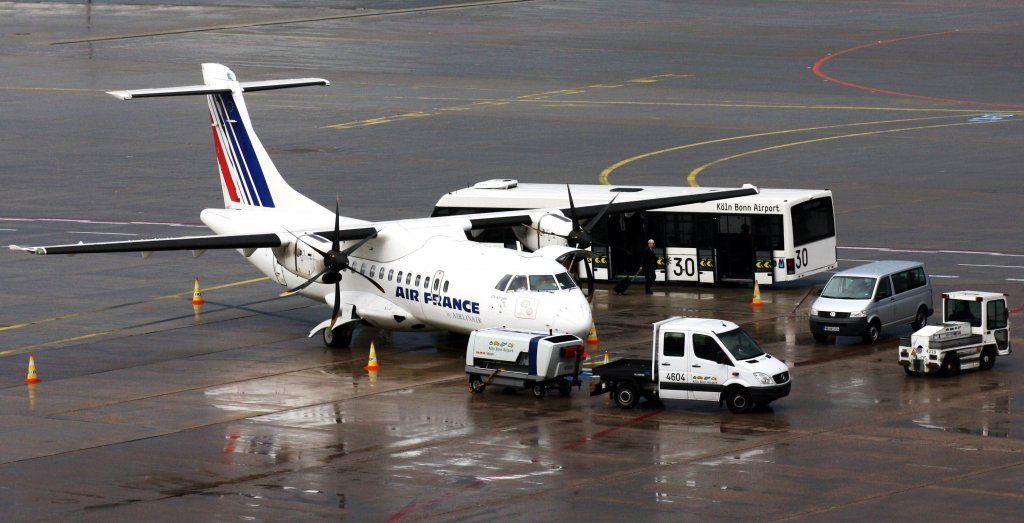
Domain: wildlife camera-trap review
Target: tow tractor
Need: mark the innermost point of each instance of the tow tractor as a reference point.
(975, 329)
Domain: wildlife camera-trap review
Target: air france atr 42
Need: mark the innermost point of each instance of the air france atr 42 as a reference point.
(414, 274)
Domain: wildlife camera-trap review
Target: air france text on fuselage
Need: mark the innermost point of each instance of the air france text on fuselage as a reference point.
(438, 300)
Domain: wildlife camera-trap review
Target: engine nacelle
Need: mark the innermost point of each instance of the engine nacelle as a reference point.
(549, 229)
(299, 257)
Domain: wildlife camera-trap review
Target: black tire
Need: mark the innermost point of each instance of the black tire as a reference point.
(920, 319)
(873, 333)
(565, 389)
(987, 359)
(476, 384)
(626, 396)
(539, 391)
(820, 337)
(950, 366)
(340, 337)
(739, 401)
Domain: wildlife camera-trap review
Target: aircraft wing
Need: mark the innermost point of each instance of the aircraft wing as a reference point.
(189, 243)
(526, 217)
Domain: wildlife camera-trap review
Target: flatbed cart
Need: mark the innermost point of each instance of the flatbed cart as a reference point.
(524, 360)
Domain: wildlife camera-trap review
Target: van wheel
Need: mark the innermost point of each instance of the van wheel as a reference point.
(873, 333)
(988, 358)
(920, 319)
(950, 366)
(820, 337)
(738, 400)
(626, 396)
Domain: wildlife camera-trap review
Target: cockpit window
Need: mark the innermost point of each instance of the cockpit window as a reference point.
(543, 282)
(503, 282)
(565, 281)
(518, 284)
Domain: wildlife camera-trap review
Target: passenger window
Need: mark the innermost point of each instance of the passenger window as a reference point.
(437, 283)
(674, 344)
(408, 278)
(502, 283)
(380, 276)
(362, 269)
(518, 284)
(417, 280)
(426, 282)
(445, 286)
(373, 270)
(399, 280)
(884, 288)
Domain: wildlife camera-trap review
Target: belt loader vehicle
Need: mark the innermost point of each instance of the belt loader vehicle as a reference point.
(697, 359)
(975, 329)
(522, 359)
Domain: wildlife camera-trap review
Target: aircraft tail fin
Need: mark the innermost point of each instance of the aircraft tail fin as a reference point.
(248, 176)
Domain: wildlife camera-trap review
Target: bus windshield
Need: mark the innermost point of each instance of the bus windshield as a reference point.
(849, 288)
(740, 344)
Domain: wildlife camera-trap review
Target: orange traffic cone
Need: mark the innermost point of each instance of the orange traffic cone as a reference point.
(372, 365)
(197, 295)
(592, 337)
(757, 296)
(32, 377)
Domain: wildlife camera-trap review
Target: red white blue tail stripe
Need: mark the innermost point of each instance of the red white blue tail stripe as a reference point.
(240, 168)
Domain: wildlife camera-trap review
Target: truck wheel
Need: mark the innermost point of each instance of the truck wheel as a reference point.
(988, 358)
(820, 337)
(626, 396)
(920, 319)
(339, 337)
(539, 391)
(476, 384)
(738, 400)
(873, 333)
(950, 366)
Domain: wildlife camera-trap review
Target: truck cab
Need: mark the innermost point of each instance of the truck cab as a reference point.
(698, 359)
(975, 329)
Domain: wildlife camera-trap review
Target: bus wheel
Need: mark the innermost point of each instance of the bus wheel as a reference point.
(626, 396)
(988, 358)
(873, 333)
(738, 400)
(950, 366)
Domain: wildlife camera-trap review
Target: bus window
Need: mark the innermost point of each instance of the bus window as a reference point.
(813, 221)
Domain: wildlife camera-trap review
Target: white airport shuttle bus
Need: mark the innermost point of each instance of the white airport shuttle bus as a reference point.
(776, 236)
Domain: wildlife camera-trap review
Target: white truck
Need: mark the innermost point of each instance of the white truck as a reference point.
(975, 329)
(522, 359)
(697, 359)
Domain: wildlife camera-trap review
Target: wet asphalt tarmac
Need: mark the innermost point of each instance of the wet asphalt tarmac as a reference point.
(149, 409)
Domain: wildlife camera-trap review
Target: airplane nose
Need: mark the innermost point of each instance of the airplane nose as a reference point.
(573, 316)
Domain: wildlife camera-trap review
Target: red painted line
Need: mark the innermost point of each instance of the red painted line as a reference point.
(514, 469)
(1016, 311)
(821, 61)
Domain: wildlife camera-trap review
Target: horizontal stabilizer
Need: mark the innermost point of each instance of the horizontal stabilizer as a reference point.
(193, 90)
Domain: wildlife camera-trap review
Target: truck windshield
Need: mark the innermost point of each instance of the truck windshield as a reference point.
(740, 344)
(849, 288)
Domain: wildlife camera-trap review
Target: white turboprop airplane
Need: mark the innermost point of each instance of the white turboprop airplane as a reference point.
(411, 274)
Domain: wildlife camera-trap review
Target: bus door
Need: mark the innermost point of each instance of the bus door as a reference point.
(706, 227)
(627, 239)
(734, 247)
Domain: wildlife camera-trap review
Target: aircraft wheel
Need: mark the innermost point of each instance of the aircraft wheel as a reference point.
(339, 337)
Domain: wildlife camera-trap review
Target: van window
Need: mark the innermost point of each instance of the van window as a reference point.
(904, 281)
(884, 288)
(849, 288)
(674, 344)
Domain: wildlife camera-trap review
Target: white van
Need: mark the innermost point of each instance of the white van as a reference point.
(864, 300)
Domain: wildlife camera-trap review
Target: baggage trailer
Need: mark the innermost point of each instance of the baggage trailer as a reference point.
(522, 359)
(697, 359)
(975, 329)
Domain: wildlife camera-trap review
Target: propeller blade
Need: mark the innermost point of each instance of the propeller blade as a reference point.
(593, 221)
(337, 223)
(369, 279)
(337, 303)
(572, 208)
(588, 263)
(358, 244)
(307, 283)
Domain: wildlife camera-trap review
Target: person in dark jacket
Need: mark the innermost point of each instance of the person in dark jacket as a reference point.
(649, 261)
